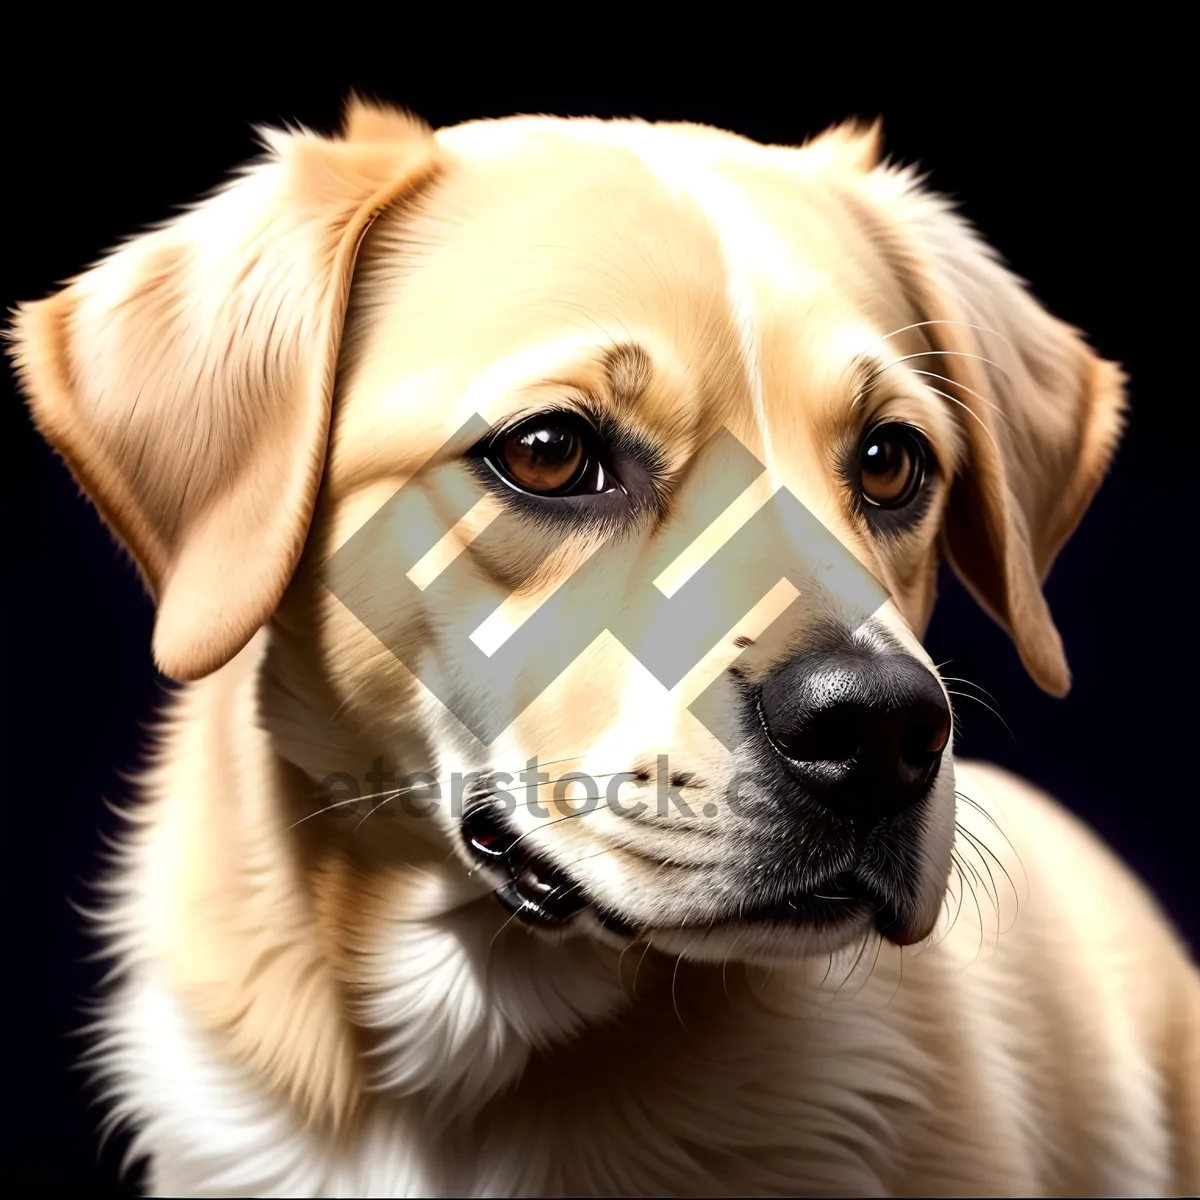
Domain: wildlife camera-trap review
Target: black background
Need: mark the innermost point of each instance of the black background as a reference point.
(1064, 169)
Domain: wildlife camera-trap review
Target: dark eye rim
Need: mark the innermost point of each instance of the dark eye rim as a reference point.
(591, 472)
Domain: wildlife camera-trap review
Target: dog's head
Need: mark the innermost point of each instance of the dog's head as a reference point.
(592, 479)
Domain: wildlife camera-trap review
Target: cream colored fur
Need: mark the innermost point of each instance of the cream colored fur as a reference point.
(311, 1006)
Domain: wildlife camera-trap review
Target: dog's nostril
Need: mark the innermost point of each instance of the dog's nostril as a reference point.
(924, 741)
(832, 736)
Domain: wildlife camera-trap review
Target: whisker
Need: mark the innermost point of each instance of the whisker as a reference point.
(946, 396)
(621, 957)
(950, 354)
(491, 945)
(325, 809)
(963, 386)
(556, 821)
(994, 894)
(974, 900)
(899, 982)
(763, 986)
(954, 862)
(725, 964)
(358, 687)
(965, 407)
(968, 696)
(372, 811)
(638, 969)
(828, 968)
(944, 321)
(674, 1000)
(982, 848)
(874, 964)
(968, 682)
(395, 793)
(992, 855)
(845, 978)
(389, 795)
(995, 824)
(982, 812)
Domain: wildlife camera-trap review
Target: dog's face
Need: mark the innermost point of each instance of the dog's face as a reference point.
(609, 316)
(611, 346)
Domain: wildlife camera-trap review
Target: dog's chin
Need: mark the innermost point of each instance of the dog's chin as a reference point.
(769, 936)
(753, 927)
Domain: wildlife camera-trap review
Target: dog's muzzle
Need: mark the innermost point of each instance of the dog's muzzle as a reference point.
(542, 896)
(846, 744)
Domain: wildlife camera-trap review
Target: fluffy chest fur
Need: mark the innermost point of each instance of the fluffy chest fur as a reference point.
(752, 1102)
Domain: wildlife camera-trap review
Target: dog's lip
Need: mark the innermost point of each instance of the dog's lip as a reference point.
(533, 890)
(839, 902)
(834, 899)
(540, 894)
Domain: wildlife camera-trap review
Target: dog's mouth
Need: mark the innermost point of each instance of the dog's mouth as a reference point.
(539, 894)
(535, 891)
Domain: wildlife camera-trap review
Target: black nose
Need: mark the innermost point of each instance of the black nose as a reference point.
(863, 733)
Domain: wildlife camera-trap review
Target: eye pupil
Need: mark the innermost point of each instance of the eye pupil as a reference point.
(892, 466)
(549, 446)
(545, 455)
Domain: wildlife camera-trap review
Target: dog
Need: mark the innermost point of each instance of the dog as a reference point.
(814, 955)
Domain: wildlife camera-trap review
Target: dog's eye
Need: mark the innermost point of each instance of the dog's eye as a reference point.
(554, 454)
(892, 465)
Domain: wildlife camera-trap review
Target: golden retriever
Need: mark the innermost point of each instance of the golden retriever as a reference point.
(796, 948)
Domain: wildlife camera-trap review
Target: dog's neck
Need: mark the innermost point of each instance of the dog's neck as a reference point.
(405, 976)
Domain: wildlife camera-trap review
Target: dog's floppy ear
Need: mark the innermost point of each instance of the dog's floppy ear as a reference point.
(1041, 412)
(186, 379)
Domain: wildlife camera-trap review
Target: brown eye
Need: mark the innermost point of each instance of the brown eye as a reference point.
(544, 455)
(892, 465)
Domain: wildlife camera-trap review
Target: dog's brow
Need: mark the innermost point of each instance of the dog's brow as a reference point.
(863, 372)
(627, 368)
